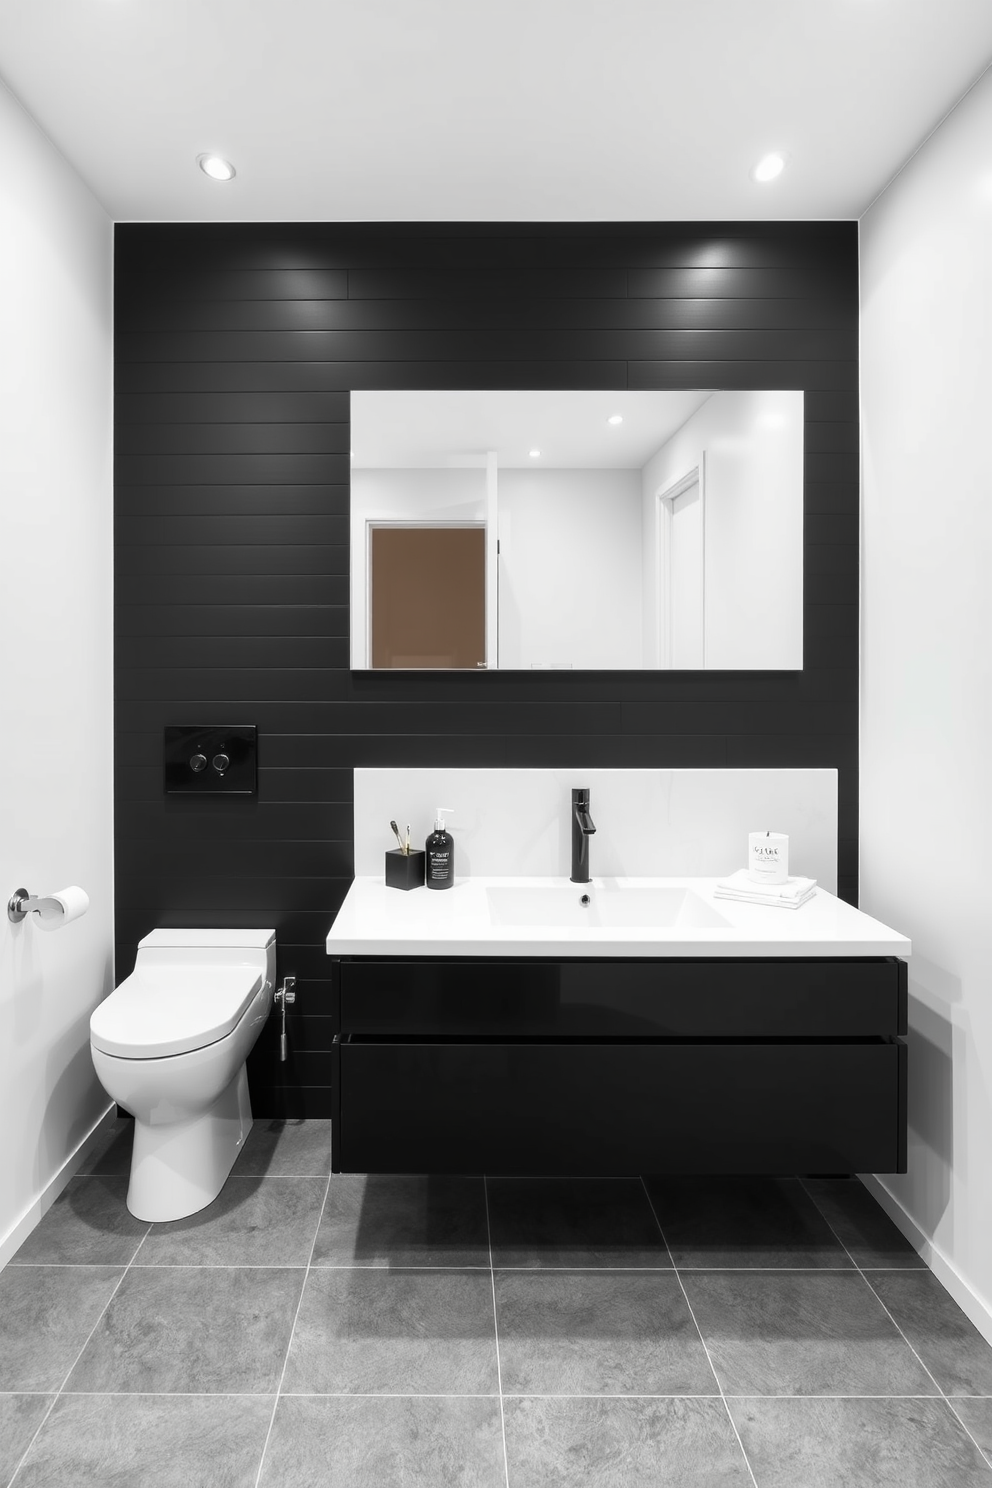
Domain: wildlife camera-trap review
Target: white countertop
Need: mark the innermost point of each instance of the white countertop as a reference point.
(376, 921)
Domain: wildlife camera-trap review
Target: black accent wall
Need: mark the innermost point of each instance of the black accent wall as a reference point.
(236, 346)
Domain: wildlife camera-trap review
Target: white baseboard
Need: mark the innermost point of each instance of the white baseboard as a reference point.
(974, 1306)
(15, 1237)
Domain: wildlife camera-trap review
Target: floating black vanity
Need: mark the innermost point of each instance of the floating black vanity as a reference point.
(504, 1064)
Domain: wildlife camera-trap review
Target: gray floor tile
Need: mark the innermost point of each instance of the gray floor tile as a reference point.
(801, 1333)
(598, 1333)
(111, 1158)
(857, 1444)
(192, 1329)
(622, 1444)
(861, 1224)
(977, 1416)
(88, 1225)
(46, 1315)
(573, 1222)
(252, 1222)
(385, 1443)
(380, 1331)
(403, 1220)
(20, 1417)
(743, 1222)
(950, 1346)
(149, 1441)
(299, 1149)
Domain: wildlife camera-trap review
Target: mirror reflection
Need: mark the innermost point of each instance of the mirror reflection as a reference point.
(585, 530)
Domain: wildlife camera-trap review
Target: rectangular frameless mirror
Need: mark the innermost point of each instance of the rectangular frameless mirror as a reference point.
(586, 530)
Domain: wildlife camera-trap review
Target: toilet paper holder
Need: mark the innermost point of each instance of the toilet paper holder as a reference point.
(21, 904)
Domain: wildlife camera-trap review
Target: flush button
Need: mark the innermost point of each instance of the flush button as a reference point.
(210, 759)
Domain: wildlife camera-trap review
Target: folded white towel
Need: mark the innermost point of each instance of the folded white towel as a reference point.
(762, 899)
(788, 895)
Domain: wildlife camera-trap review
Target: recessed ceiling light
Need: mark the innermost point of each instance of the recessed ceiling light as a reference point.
(768, 168)
(534, 454)
(216, 167)
(615, 418)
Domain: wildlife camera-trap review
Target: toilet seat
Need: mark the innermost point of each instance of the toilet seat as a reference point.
(155, 1013)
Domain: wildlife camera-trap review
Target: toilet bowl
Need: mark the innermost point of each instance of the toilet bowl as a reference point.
(170, 1046)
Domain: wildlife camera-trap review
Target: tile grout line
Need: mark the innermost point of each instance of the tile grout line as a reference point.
(292, 1333)
(499, 1368)
(448, 1395)
(384, 1266)
(61, 1388)
(940, 1393)
(702, 1340)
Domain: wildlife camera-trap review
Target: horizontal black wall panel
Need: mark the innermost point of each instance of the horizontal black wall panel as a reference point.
(625, 751)
(247, 437)
(318, 789)
(307, 1033)
(237, 345)
(455, 246)
(218, 619)
(231, 469)
(224, 820)
(286, 684)
(494, 311)
(236, 557)
(291, 925)
(315, 376)
(237, 589)
(430, 719)
(240, 858)
(241, 652)
(785, 373)
(242, 501)
(304, 1067)
(230, 408)
(211, 285)
(497, 343)
(210, 530)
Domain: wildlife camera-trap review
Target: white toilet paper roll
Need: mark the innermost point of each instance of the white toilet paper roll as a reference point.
(74, 901)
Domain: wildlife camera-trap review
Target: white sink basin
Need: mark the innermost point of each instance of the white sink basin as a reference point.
(599, 906)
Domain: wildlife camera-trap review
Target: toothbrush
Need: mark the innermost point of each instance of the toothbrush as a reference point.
(407, 848)
(399, 839)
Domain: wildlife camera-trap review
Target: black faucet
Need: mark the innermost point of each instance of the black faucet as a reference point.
(583, 827)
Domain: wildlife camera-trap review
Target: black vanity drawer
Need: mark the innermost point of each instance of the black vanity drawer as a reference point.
(803, 997)
(533, 1107)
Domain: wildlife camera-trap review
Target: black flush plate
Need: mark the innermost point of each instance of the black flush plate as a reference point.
(210, 759)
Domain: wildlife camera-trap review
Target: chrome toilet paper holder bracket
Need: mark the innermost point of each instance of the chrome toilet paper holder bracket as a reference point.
(21, 904)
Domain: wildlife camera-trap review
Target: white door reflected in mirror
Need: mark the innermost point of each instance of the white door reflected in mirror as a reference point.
(672, 539)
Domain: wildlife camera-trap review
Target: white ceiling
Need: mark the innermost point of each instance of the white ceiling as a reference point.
(498, 110)
(410, 430)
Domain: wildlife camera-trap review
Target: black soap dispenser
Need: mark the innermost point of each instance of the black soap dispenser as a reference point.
(440, 854)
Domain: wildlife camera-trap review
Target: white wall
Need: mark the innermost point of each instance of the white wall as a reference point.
(649, 823)
(753, 527)
(570, 568)
(926, 752)
(55, 620)
(403, 496)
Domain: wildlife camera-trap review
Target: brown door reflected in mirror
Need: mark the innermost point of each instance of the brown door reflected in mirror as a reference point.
(428, 596)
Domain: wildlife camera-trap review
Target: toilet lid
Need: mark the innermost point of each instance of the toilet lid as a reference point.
(151, 1015)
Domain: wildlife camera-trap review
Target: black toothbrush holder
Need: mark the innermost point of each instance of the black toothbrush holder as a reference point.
(404, 870)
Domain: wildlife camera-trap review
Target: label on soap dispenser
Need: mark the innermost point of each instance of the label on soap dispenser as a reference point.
(440, 860)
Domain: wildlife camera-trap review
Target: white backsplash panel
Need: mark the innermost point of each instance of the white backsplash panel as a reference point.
(649, 823)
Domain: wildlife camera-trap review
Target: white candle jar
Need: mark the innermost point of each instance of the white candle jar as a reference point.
(768, 857)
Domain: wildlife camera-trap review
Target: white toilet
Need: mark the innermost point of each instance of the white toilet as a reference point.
(170, 1046)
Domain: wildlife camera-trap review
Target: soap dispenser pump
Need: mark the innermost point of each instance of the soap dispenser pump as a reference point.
(440, 853)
